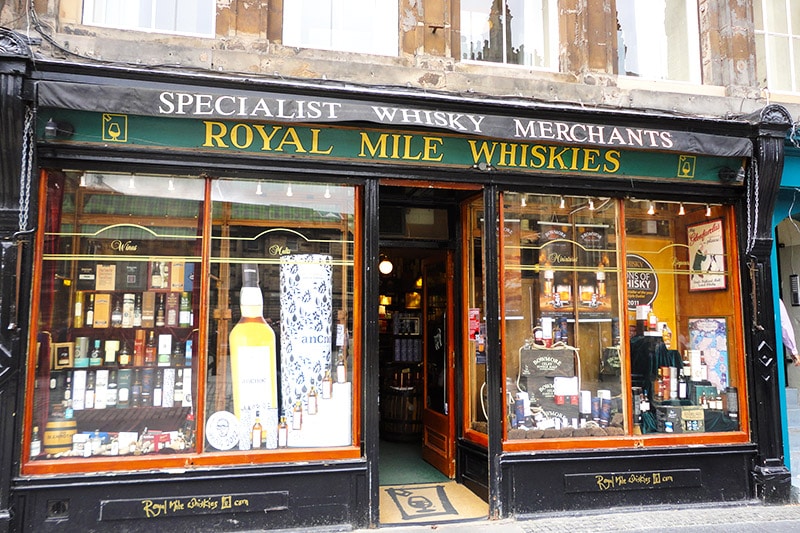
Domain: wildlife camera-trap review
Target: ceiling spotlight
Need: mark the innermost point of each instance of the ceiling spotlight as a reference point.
(708, 210)
(562, 203)
(681, 210)
(259, 192)
(591, 204)
(132, 183)
(652, 209)
(171, 185)
(524, 201)
(327, 192)
(289, 191)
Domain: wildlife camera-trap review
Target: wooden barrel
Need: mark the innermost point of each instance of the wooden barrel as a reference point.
(401, 414)
(58, 435)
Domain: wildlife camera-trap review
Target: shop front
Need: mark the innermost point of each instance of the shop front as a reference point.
(239, 292)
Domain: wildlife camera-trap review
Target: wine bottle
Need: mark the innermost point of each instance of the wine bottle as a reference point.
(252, 346)
(36, 443)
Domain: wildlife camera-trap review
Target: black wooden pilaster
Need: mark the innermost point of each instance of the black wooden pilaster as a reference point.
(771, 477)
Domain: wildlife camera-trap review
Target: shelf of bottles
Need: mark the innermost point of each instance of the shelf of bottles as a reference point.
(120, 382)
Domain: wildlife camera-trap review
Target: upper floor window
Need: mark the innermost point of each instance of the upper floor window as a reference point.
(659, 39)
(185, 17)
(363, 26)
(777, 28)
(517, 32)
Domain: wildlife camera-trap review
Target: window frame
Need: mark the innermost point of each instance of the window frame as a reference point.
(198, 456)
(764, 40)
(89, 6)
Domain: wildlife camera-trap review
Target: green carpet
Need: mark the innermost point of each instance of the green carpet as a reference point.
(401, 464)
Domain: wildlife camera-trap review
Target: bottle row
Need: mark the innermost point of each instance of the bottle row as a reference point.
(122, 275)
(78, 390)
(148, 350)
(133, 310)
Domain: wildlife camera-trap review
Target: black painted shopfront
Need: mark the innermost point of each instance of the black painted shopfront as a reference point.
(537, 361)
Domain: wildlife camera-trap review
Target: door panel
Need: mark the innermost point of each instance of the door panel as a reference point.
(438, 442)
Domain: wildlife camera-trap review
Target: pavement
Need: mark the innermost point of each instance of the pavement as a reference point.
(734, 517)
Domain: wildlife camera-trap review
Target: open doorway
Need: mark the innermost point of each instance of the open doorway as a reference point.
(418, 349)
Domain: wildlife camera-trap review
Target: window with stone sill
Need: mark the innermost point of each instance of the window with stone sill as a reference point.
(360, 26)
(659, 39)
(514, 32)
(182, 17)
(777, 28)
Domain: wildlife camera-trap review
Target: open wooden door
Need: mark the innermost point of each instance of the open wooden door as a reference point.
(438, 433)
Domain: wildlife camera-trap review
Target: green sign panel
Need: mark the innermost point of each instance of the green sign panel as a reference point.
(429, 148)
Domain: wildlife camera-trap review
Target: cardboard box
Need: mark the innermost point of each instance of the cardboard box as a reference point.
(132, 275)
(157, 439)
(148, 309)
(172, 308)
(102, 310)
(177, 275)
(680, 419)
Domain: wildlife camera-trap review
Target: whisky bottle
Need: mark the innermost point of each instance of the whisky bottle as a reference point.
(160, 322)
(703, 367)
(185, 312)
(116, 315)
(297, 415)
(112, 390)
(124, 355)
(36, 443)
(95, 356)
(283, 433)
(257, 432)
(313, 406)
(683, 385)
(137, 311)
(127, 310)
(89, 322)
(150, 351)
(155, 275)
(252, 347)
(341, 370)
(88, 398)
(158, 389)
(136, 389)
(327, 386)
(77, 317)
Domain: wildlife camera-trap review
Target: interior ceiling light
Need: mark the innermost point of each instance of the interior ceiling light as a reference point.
(132, 183)
(385, 266)
(562, 203)
(258, 189)
(708, 210)
(681, 210)
(171, 185)
(591, 204)
(327, 192)
(524, 201)
(289, 191)
(652, 209)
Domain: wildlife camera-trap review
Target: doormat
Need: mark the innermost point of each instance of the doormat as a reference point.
(430, 503)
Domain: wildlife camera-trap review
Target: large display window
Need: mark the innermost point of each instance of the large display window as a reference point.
(178, 317)
(620, 320)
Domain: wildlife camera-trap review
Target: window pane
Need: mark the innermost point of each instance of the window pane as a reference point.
(477, 395)
(682, 340)
(777, 22)
(659, 39)
(513, 31)
(780, 77)
(191, 17)
(279, 349)
(561, 317)
(117, 306)
(365, 26)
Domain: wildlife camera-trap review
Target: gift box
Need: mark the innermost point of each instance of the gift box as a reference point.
(680, 419)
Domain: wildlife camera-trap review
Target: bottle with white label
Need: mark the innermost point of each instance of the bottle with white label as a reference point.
(252, 346)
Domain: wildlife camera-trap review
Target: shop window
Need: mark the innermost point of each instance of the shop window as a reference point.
(659, 39)
(476, 405)
(179, 315)
(361, 26)
(777, 28)
(600, 345)
(515, 32)
(185, 17)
